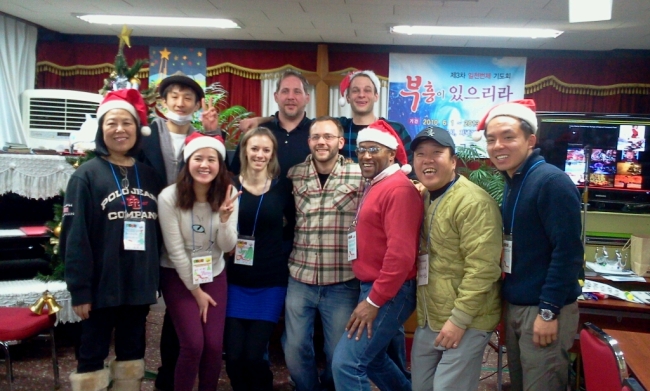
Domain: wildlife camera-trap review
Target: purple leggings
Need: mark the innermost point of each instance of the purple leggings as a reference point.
(201, 343)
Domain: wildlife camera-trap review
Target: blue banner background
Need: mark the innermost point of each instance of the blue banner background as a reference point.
(451, 92)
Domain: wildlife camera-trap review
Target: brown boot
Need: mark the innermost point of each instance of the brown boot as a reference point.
(127, 375)
(90, 381)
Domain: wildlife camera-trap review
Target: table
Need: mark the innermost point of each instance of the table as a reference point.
(24, 293)
(615, 314)
(636, 350)
(34, 176)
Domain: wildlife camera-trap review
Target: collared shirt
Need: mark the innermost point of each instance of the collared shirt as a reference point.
(293, 146)
(323, 217)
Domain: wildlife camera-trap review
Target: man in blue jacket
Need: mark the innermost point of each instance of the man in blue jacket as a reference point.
(542, 253)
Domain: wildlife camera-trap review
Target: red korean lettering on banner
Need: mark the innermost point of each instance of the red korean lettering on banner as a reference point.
(413, 84)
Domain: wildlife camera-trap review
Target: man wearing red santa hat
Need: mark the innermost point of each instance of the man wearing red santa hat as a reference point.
(382, 246)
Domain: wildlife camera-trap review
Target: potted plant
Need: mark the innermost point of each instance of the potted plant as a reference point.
(478, 170)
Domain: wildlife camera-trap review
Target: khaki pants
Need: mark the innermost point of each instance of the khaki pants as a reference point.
(534, 368)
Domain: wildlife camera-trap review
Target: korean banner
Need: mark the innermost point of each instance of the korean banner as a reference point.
(451, 92)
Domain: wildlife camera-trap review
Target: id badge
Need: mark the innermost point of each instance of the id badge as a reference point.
(201, 267)
(352, 246)
(134, 231)
(506, 254)
(423, 269)
(245, 250)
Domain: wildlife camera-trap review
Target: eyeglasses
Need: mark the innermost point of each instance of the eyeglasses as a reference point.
(372, 150)
(326, 136)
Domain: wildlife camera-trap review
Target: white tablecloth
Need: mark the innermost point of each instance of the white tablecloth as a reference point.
(34, 176)
(24, 293)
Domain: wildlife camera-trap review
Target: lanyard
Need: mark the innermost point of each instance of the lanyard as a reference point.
(209, 234)
(436, 208)
(505, 200)
(137, 179)
(366, 191)
(258, 205)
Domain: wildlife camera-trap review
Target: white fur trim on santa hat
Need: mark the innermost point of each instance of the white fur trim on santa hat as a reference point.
(118, 104)
(378, 136)
(204, 142)
(373, 77)
(514, 110)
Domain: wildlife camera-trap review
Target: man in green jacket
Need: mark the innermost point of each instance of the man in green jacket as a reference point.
(458, 295)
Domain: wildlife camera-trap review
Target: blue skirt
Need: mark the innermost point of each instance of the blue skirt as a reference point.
(255, 303)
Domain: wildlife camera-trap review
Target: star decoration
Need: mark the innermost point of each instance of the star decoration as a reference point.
(125, 36)
(164, 54)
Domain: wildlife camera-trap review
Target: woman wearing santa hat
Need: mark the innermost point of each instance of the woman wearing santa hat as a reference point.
(109, 243)
(198, 219)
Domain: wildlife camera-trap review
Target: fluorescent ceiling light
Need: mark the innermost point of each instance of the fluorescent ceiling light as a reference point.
(159, 21)
(477, 31)
(589, 10)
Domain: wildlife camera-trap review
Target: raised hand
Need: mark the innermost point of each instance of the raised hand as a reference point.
(228, 205)
(209, 116)
(247, 124)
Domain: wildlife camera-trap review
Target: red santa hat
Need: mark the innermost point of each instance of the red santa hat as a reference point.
(345, 83)
(381, 132)
(130, 100)
(523, 109)
(196, 141)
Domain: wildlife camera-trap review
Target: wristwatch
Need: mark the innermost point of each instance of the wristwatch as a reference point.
(547, 315)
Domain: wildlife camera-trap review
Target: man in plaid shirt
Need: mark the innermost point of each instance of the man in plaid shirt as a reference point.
(326, 188)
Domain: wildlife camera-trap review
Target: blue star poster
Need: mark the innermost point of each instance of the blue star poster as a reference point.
(165, 61)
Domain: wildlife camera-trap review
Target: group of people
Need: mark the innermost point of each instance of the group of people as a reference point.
(317, 219)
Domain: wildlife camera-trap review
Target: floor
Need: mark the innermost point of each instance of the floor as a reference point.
(33, 367)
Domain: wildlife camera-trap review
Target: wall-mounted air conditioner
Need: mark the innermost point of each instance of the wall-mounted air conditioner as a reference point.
(49, 116)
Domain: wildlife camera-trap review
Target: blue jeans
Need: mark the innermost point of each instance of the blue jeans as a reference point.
(335, 303)
(355, 362)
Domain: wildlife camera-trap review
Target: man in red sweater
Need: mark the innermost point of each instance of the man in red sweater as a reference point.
(382, 246)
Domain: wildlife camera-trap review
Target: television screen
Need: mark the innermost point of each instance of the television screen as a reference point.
(614, 147)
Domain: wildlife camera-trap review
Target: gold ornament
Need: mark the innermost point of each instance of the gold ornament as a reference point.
(125, 36)
(76, 164)
(46, 300)
(135, 81)
(57, 231)
(113, 75)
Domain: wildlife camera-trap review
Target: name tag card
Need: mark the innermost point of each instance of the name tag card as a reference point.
(202, 268)
(134, 231)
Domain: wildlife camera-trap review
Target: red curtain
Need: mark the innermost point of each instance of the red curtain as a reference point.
(66, 54)
(589, 71)
(263, 59)
(247, 92)
(550, 99)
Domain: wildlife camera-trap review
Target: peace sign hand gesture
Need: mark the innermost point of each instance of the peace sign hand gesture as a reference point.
(209, 116)
(226, 208)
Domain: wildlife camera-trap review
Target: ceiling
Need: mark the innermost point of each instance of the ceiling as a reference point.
(355, 21)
